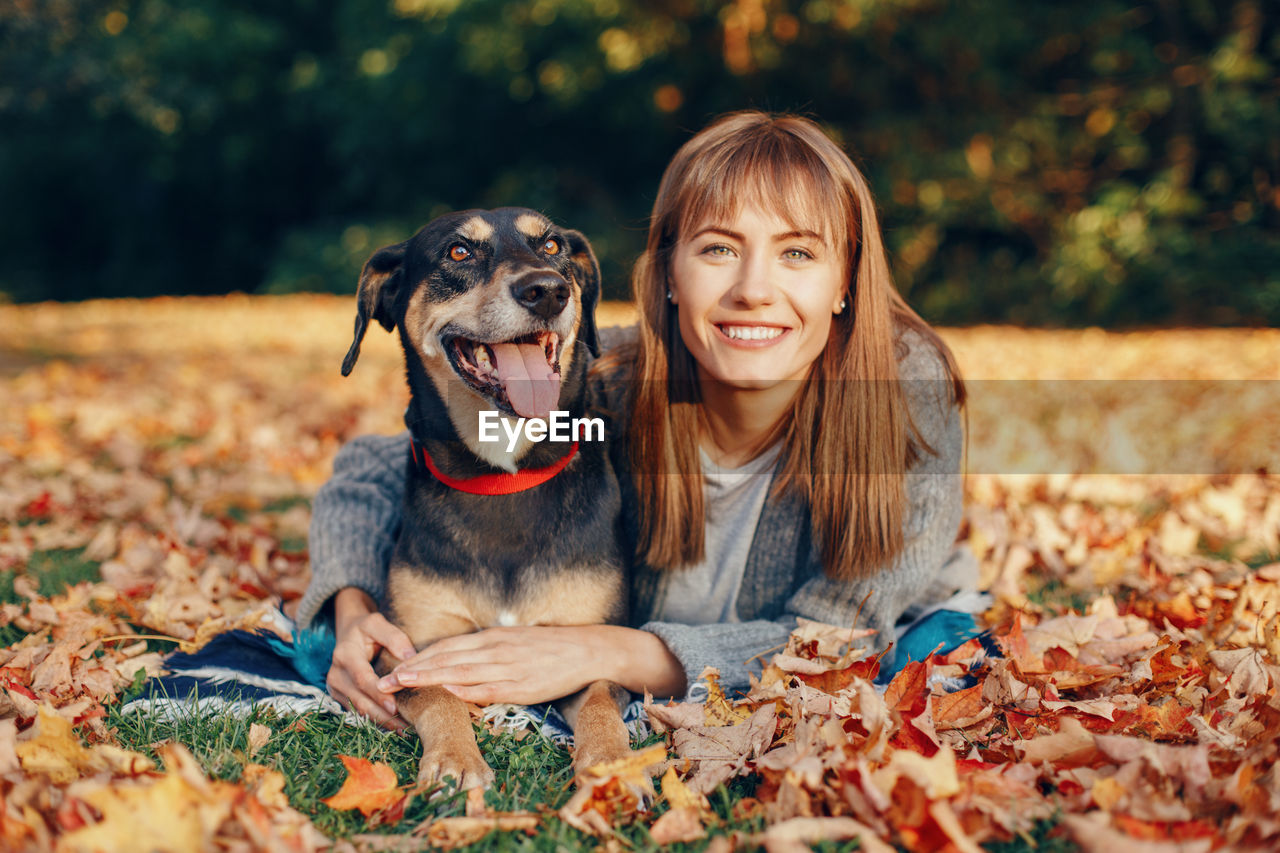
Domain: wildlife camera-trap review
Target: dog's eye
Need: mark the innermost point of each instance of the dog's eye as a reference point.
(551, 246)
(459, 252)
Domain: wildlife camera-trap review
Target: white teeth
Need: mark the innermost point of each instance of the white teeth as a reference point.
(752, 333)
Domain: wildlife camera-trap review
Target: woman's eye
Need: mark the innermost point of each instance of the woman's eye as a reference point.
(797, 254)
(717, 249)
(551, 246)
(459, 252)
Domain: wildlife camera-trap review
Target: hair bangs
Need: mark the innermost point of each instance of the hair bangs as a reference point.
(772, 170)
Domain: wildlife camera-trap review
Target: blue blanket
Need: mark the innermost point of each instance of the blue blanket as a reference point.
(240, 670)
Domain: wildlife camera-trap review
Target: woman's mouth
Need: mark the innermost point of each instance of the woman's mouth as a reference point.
(751, 335)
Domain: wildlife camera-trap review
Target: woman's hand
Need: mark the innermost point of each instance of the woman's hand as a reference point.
(540, 663)
(360, 632)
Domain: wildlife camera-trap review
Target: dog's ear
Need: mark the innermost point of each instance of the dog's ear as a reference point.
(587, 271)
(379, 286)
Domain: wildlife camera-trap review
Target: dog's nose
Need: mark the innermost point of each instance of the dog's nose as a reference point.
(544, 295)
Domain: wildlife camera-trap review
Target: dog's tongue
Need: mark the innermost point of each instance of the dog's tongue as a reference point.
(531, 385)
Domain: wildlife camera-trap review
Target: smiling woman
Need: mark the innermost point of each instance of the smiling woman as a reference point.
(770, 312)
(790, 447)
(756, 298)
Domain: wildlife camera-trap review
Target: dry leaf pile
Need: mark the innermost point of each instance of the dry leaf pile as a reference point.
(61, 795)
(176, 443)
(1153, 715)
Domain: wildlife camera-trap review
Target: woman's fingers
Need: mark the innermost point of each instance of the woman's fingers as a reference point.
(385, 635)
(476, 640)
(460, 658)
(511, 664)
(457, 672)
(361, 632)
(352, 674)
(356, 688)
(477, 646)
(366, 682)
(348, 694)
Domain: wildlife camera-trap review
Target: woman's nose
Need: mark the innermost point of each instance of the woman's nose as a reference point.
(754, 284)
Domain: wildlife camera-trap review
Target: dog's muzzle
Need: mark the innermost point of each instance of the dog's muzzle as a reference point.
(542, 294)
(521, 375)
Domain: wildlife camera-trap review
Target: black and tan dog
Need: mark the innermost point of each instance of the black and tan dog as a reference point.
(495, 311)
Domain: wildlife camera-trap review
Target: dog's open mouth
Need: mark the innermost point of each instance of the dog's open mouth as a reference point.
(522, 375)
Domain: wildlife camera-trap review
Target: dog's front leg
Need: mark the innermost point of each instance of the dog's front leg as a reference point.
(449, 745)
(599, 735)
(443, 724)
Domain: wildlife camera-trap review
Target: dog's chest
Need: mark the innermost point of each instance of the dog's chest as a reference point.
(545, 557)
(429, 607)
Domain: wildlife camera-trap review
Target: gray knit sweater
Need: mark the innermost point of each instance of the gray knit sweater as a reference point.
(356, 517)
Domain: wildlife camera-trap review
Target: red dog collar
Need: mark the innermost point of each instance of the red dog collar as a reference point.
(493, 484)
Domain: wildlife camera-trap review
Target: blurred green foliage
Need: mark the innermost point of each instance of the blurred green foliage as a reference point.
(1100, 161)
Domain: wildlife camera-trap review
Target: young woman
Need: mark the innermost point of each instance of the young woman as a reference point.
(793, 447)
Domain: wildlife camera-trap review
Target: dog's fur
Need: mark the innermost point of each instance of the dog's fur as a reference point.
(545, 556)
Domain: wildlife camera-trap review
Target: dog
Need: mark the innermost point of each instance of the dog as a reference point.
(495, 313)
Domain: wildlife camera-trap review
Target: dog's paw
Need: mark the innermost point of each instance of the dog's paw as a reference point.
(638, 789)
(465, 770)
(591, 769)
(643, 791)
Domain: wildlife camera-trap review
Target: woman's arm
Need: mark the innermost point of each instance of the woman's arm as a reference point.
(355, 519)
(354, 523)
(542, 663)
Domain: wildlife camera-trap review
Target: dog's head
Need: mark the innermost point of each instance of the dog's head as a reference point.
(492, 302)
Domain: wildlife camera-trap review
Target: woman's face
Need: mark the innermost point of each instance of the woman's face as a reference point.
(755, 298)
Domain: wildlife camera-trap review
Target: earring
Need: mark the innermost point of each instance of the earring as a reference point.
(671, 297)
(844, 303)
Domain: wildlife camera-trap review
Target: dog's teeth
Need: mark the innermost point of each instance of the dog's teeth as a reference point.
(482, 357)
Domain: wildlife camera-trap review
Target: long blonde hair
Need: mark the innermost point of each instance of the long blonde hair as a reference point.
(847, 443)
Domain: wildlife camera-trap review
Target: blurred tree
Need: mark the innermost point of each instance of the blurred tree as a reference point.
(1055, 163)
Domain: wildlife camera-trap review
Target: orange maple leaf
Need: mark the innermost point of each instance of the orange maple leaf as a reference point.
(834, 680)
(954, 708)
(1165, 831)
(370, 787)
(906, 691)
(1014, 644)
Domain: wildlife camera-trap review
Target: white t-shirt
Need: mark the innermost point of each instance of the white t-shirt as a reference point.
(707, 593)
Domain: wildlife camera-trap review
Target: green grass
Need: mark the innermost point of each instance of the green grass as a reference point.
(1041, 839)
(1264, 558)
(243, 514)
(532, 774)
(54, 571)
(1051, 594)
